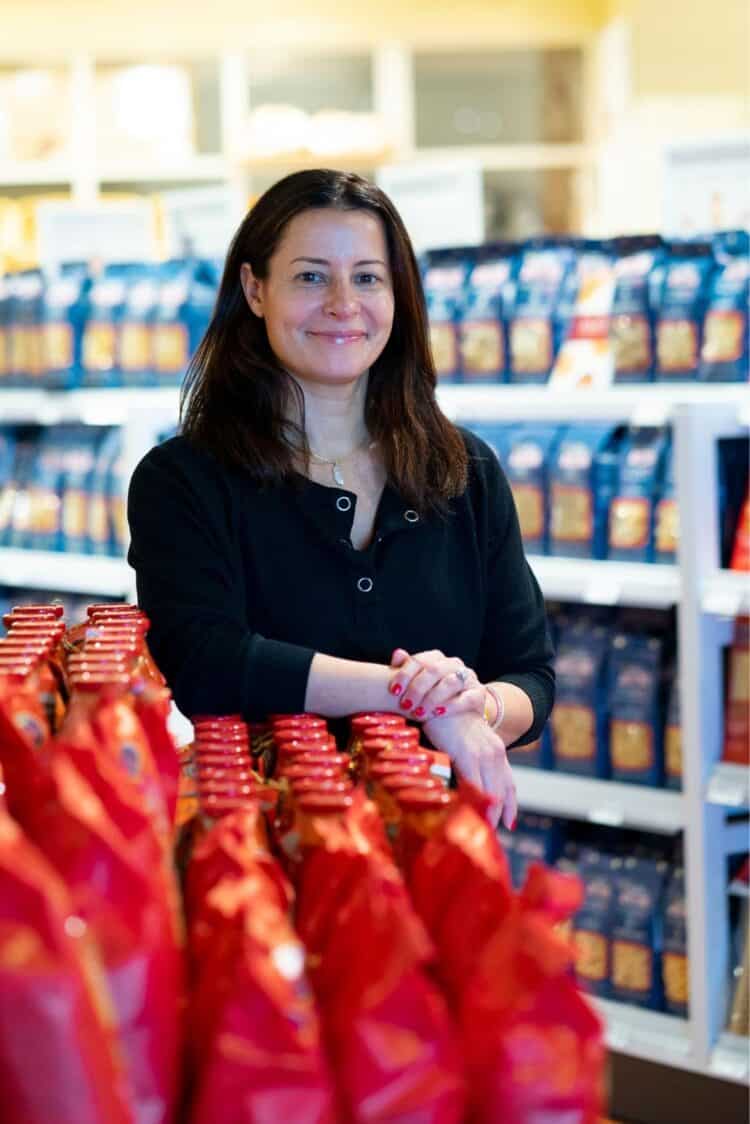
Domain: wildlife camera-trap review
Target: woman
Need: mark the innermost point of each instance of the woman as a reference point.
(321, 537)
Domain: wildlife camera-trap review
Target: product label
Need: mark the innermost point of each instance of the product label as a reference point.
(673, 751)
(44, 511)
(444, 348)
(4, 353)
(592, 955)
(171, 348)
(667, 527)
(531, 345)
(723, 337)
(631, 746)
(631, 343)
(99, 346)
(58, 346)
(119, 519)
(675, 974)
(135, 347)
(629, 521)
(632, 966)
(74, 513)
(98, 522)
(574, 730)
(482, 347)
(529, 501)
(571, 513)
(677, 345)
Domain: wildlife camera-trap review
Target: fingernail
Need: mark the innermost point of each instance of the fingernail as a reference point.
(395, 688)
(513, 825)
(419, 712)
(406, 704)
(439, 711)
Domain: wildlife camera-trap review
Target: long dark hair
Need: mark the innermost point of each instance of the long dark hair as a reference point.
(235, 392)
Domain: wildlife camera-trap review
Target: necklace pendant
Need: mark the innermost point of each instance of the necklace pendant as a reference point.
(338, 476)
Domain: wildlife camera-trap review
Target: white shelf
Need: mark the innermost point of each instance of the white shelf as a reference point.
(602, 802)
(504, 157)
(731, 1058)
(738, 890)
(607, 583)
(726, 594)
(66, 573)
(651, 1035)
(197, 169)
(729, 786)
(36, 173)
(647, 404)
(92, 407)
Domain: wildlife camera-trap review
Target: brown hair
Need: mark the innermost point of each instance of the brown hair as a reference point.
(235, 391)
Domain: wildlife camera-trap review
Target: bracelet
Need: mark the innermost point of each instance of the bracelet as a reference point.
(500, 708)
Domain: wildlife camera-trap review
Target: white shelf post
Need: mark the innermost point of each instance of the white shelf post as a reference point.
(393, 95)
(84, 183)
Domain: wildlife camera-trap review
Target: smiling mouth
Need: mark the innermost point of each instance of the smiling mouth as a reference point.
(339, 337)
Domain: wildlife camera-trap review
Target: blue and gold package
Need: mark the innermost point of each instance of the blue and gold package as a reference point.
(592, 924)
(583, 480)
(726, 340)
(536, 839)
(187, 292)
(136, 335)
(45, 492)
(673, 735)
(5, 323)
(530, 451)
(99, 531)
(64, 315)
(637, 932)
(536, 755)
(25, 336)
(79, 465)
(632, 323)
(631, 513)
(636, 750)
(101, 335)
(667, 515)
(483, 342)
(534, 325)
(675, 975)
(444, 278)
(580, 722)
(682, 298)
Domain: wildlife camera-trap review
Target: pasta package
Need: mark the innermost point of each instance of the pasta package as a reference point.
(534, 329)
(637, 932)
(631, 327)
(737, 707)
(682, 298)
(530, 453)
(584, 473)
(483, 331)
(444, 279)
(726, 339)
(586, 356)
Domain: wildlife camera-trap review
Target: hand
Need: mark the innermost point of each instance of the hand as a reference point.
(432, 685)
(478, 754)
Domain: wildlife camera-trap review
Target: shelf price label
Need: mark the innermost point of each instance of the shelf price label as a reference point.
(604, 590)
(610, 815)
(731, 791)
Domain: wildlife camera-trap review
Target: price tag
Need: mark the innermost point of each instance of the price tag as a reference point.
(727, 793)
(650, 413)
(603, 590)
(617, 1037)
(723, 603)
(607, 814)
(726, 1065)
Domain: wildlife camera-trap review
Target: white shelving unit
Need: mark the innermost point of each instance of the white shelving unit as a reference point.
(704, 595)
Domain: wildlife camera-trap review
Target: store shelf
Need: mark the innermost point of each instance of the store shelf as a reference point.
(92, 407)
(504, 157)
(197, 169)
(649, 404)
(646, 1034)
(738, 890)
(731, 1058)
(726, 594)
(607, 583)
(729, 785)
(36, 173)
(66, 573)
(602, 802)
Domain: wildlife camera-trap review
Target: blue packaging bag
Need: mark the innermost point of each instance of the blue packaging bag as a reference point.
(682, 299)
(632, 326)
(583, 480)
(136, 334)
(45, 493)
(483, 342)
(27, 361)
(80, 462)
(673, 736)
(18, 498)
(101, 335)
(637, 932)
(631, 514)
(726, 339)
(496, 434)
(636, 748)
(531, 449)
(667, 515)
(534, 326)
(536, 839)
(592, 924)
(580, 721)
(6, 370)
(187, 292)
(64, 315)
(674, 955)
(116, 504)
(99, 530)
(445, 277)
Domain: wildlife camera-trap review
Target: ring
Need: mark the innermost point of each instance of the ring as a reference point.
(461, 675)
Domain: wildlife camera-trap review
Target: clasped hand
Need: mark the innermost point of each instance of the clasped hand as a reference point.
(449, 699)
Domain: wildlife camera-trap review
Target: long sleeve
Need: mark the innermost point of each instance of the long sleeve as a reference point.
(516, 646)
(186, 553)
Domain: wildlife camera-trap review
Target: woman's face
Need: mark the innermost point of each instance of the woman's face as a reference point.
(328, 298)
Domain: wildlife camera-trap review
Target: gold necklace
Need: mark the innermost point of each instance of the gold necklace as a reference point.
(336, 471)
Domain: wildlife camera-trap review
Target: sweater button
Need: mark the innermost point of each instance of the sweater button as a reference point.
(343, 503)
(364, 585)
(411, 516)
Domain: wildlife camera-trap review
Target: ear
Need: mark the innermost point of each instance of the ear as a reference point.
(252, 288)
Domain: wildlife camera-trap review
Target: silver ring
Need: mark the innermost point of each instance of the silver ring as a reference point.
(461, 675)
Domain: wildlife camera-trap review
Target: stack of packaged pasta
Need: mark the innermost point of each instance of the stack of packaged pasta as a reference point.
(353, 948)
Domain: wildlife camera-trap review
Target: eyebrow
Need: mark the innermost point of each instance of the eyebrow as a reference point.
(324, 261)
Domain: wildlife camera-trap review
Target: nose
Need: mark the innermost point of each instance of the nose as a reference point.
(341, 300)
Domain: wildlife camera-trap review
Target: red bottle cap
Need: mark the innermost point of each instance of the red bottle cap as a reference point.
(395, 782)
(323, 772)
(423, 799)
(322, 803)
(362, 722)
(384, 768)
(302, 785)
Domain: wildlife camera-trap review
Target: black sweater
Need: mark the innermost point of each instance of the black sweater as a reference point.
(244, 584)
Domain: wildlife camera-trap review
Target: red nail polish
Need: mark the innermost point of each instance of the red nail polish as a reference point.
(419, 712)
(395, 688)
(407, 704)
(513, 825)
(439, 711)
